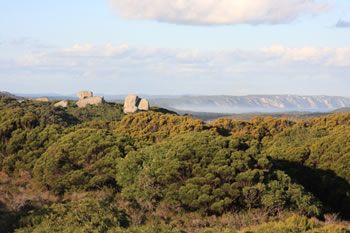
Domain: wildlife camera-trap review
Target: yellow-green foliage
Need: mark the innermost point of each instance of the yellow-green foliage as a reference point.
(155, 126)
(331, 120)
(256, 128)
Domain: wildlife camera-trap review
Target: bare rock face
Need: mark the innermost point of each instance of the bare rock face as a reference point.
(133, 103)
(130, 104)
(144, 105)
(85, 94)
(42, 99)
(96, 100)
(63, 104)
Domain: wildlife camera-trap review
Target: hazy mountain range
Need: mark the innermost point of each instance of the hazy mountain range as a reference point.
(253, 103)
(228, 104)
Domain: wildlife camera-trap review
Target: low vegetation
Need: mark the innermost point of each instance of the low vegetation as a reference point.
(95, 169)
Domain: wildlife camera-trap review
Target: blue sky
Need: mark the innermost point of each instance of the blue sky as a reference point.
(232, 47)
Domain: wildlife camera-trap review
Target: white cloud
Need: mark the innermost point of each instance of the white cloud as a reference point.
(218, 11)
(338, 57)
(275, 69)
(124, 57)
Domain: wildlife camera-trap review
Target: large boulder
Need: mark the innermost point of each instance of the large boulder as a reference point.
(96, 100)
(133, 103)
(144, 105)
(63, 104)
(42, 99)
(130, 104)
(85, 94)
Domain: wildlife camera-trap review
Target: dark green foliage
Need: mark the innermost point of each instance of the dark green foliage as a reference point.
(106, 112)
(317, 157)
(209, 174)
(25, 146)
(8, 222)
(329, 188)
(82, 160)
(77, 216)
(162, 110)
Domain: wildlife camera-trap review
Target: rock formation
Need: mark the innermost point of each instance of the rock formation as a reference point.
(144, 105)
(86, 97)
(63, 104)
(85, 94)
(91, 100)
(42, 99)
(133, 104)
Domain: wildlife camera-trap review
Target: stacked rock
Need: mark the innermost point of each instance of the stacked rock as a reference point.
(85, 94)
(86, 97)
(133, 103)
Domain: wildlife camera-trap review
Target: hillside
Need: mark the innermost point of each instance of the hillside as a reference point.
(292, 115)
(342, 110)
(253, 103)
(8, 94)
(95, 169)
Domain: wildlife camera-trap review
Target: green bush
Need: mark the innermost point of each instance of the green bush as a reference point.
(208, 174)
(82, 160)
(77, 216)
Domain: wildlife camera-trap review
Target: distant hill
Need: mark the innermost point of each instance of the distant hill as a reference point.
(253, 103)
(341, 110)
(5, 93)
(292, 115)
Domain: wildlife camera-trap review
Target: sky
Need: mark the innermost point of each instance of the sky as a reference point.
(175, 47)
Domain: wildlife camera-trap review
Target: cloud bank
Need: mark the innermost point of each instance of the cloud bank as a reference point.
(124, 69)
(124, 56)
(213, 12)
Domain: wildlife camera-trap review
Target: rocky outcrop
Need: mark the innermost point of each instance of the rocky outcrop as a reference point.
(85, 94)
(63, 104)
(42, 99)
(133, 103)
(96, 100)
(86, 97)
(144, 105)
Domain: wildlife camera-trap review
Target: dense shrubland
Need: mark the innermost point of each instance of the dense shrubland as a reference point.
(96, 170)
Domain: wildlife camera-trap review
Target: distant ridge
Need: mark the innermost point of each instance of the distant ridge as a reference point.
(225, 103)
(5, 93)
(253, 103)
(342, 110)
